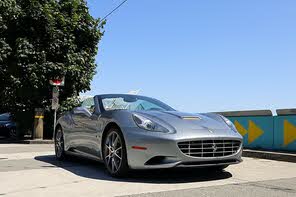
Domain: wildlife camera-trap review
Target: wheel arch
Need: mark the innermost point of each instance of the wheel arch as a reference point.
(106, 129)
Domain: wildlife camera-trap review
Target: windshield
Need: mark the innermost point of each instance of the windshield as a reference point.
(133, 103)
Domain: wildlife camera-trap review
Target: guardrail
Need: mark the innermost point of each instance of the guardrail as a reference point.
(262, 130)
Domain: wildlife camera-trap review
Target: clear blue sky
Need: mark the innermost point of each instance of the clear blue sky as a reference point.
(200, 55)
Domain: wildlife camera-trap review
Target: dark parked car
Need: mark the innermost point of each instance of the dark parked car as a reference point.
(7, 126)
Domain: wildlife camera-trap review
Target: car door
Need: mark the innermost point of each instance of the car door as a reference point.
(78, 134)
(88, 128)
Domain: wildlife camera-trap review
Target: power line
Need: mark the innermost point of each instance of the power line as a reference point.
(113, 10)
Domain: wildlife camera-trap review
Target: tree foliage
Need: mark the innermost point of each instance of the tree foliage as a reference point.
(41, 40)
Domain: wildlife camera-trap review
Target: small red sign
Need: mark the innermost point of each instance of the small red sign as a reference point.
(57, 82)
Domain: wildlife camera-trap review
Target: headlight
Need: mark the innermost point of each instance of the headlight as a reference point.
(148, 124)
(229, 123)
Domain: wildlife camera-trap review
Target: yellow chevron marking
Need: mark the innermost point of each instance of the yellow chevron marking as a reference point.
(289, 133)
(254, 132)
(240, 128)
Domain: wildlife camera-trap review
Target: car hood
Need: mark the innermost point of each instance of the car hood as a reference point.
(188, 121)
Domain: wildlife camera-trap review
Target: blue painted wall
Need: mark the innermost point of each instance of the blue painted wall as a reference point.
(285, 133)
(258, 131)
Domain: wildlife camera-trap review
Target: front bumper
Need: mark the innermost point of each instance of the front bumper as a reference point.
(162, 150)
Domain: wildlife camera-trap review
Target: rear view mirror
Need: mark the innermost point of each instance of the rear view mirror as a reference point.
(129, 99)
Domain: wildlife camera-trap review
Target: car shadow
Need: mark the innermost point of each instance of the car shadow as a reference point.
(96, 170)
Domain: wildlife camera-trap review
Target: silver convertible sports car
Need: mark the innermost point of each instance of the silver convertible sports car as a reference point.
(137, 132)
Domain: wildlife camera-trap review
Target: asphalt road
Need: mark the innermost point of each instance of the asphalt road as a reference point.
(31, 170)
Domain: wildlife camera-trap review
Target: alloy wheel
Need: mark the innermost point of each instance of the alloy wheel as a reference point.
(113, 152)
(59, 143)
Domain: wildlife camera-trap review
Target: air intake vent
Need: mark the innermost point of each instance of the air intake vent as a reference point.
(190, 117)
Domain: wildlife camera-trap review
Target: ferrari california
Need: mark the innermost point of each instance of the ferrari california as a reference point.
(137, 132)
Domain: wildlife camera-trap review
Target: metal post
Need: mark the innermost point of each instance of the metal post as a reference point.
(56, 82)
(55, 107)
(54, 122)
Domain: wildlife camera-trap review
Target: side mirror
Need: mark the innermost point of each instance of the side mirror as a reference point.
(81, 111)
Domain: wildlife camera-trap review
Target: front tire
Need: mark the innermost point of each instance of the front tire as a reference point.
(114, 153)
(59, 144)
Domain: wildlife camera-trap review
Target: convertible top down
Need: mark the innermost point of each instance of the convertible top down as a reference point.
(136, 132)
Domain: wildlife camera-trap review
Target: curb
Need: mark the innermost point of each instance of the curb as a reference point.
(37, 142)
(26, 142)
(278, 156)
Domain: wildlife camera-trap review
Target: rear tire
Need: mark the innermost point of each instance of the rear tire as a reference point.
(59, 144)
(114, 153)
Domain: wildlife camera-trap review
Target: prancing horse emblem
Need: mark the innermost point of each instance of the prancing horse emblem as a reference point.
(214, 147)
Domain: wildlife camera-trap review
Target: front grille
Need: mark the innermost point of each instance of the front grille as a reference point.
(209, 148)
